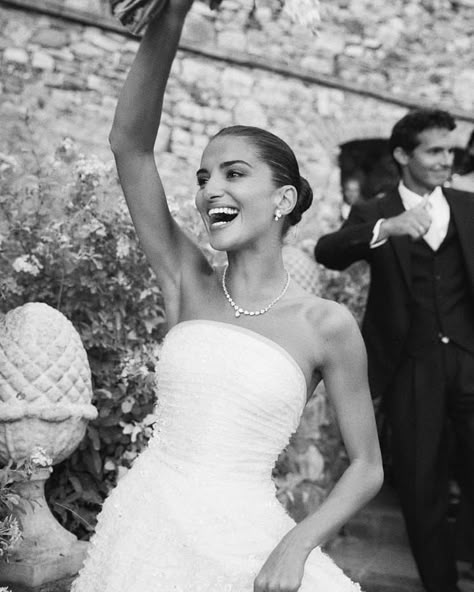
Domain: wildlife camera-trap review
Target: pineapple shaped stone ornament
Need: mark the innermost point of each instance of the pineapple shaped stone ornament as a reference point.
(45, 404)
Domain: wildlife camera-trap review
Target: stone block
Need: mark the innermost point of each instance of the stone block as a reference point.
(372, 43)
(329, 42)
(220, 116)
(63, 54)
(51, 38)
(20, 35)
(236, 82)
(212, 129)
(85, 50)
(200, 72)
(96, 83)
(16, 55)
(318, 64)
(330, 102)
(179, 136)
(48, 570)
(232, 40)
(354, 51)
(250, 112)
(101, 40)
(42, 61)
(189, 110)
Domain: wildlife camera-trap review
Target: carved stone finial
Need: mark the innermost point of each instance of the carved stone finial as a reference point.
(45, 403)
(45, 384)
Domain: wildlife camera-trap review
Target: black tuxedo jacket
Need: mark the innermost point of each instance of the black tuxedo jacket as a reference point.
(387, 316)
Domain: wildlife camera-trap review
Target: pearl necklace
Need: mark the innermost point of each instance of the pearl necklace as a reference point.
(253, 313)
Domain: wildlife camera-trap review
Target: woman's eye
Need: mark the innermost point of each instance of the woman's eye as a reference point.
(201, 181)
(233, 174)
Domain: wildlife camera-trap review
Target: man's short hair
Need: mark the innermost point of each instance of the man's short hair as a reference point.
(405, 132)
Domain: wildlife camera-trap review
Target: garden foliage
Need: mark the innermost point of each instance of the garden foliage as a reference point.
(66, 239)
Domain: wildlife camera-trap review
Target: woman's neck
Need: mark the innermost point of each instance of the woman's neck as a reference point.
(254, 278)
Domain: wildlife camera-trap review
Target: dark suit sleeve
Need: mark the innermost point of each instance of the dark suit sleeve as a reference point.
(351, 242)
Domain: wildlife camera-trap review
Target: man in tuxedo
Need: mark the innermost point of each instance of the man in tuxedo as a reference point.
(419, 328)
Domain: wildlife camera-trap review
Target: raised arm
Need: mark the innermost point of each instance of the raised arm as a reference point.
(172, 255)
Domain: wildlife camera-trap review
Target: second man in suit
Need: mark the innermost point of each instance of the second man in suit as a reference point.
(419, 328)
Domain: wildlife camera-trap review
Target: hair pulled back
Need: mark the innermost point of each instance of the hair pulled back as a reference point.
(282, 161)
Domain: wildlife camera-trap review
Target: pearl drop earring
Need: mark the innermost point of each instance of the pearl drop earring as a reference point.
(277, 215)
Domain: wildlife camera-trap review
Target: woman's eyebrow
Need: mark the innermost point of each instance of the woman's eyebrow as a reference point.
(231, 162)
(225, 164)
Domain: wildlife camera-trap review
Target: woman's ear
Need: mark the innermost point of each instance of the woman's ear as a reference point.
(286, 199)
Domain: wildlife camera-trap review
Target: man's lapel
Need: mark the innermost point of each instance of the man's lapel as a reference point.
(462, 210)
(392, 206)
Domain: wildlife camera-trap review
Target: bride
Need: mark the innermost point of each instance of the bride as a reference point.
(246, 346)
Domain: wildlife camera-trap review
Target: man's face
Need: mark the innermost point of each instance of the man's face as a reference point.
(430, 163)
(351, 191)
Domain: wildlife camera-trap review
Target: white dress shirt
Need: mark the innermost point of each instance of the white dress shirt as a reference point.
(438, 208)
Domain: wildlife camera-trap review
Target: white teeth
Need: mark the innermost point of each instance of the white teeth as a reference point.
(229, 211)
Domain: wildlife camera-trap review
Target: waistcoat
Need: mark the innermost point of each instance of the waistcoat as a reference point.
(441, 308)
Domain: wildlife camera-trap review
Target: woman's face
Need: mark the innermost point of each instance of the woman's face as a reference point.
(237, 197)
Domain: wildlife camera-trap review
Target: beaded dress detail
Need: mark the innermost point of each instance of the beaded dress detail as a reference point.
(197, 512)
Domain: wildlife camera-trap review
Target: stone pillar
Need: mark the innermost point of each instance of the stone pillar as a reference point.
(45, 403)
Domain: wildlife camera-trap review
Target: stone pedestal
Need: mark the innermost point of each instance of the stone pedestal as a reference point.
(47, 551)
(33, 574)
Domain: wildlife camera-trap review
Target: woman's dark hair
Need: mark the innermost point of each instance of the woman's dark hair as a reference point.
(405, 132)
(282, 161)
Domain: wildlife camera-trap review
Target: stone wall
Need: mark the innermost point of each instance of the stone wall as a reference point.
(369, 63)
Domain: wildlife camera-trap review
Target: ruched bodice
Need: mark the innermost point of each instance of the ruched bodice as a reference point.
(198, 512)
(219, 408)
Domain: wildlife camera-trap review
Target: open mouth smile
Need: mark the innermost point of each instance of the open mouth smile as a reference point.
(220, 217)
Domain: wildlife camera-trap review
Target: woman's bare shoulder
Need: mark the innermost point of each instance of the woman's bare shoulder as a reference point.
(328, 319)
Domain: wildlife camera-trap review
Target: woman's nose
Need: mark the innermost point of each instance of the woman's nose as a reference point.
(213, 188)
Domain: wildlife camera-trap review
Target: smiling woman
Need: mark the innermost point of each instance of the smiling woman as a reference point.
(246, 347)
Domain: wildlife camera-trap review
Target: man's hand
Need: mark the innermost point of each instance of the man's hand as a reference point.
(415, 223)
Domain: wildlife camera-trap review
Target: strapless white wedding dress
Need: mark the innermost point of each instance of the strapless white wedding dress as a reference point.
(197, 512)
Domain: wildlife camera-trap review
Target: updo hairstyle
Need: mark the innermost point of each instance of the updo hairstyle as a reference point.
(282, 161)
